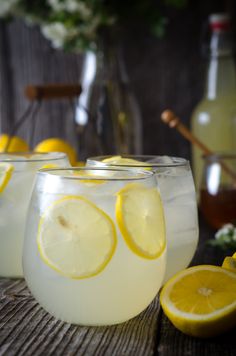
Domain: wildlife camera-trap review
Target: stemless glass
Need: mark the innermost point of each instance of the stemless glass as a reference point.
(94, 250)
(177, 190)
(14, 200)
(218, 189)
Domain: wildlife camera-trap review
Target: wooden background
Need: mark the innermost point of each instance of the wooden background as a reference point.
(164, 73)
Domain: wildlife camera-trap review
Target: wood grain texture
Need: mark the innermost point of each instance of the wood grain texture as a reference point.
(27, 58)
(26, 329)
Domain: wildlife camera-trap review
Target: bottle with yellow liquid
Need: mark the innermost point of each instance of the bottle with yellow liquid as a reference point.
(214, 119)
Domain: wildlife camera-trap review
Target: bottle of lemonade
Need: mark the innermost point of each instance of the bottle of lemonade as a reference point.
(214, 118)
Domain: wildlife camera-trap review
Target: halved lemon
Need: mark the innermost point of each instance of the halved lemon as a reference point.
(230, 263)
(6, 170)
(201, 300)
(76, 238)
(125, 161)
(140, 217)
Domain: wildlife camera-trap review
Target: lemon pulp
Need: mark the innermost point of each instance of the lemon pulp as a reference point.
(140, 217)
(201, 300)
(76, 238)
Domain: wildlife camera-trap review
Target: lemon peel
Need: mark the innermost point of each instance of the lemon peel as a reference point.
(6, 170)
(54, 144)
(13, 144)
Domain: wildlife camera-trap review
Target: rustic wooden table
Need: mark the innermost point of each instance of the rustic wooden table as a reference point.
(26, 329)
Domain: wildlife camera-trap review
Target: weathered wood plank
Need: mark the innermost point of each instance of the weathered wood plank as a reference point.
(174, 343)
(26, 329)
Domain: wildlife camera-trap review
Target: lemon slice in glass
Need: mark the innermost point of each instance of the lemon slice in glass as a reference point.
(95, 178)
(201, 300)
(140, 217)
(6, 170)
(125, 161)
(76, 238)
(49, 165)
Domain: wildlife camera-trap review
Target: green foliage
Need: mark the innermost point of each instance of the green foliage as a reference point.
(225, 238)
(75, 24)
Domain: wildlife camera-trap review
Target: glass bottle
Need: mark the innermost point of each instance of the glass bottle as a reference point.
(107, 114)
(214, 119)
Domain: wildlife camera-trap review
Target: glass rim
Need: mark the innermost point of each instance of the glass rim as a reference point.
(180, 162)
(58, 156)
(136, 174)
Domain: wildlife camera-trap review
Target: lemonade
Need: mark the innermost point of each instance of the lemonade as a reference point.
(94, 252)
(16, 183)
(175, 181)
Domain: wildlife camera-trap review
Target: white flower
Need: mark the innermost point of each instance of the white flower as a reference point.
(225, 230)
(55, 32)
(71, 6)
(6, 6)
(81, 7)
(56, 5)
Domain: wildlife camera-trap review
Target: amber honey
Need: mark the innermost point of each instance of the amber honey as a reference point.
(219, 209)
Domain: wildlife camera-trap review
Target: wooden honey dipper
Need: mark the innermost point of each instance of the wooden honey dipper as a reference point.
(169, 118)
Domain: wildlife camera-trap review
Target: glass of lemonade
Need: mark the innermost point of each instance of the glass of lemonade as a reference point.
(94, 250)
(17, 172)
(177, 190)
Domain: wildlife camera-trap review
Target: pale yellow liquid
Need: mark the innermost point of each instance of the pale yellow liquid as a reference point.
(214, 123)
(121, 291)
(14, 201)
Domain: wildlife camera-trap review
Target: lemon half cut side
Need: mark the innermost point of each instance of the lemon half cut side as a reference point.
(6, 170)
(201, 301)
(76, 238)
(140, 217)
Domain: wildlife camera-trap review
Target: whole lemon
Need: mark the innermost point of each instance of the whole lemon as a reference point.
(57, 145)
(16, 144)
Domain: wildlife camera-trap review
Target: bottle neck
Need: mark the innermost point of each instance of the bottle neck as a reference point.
(221, 76)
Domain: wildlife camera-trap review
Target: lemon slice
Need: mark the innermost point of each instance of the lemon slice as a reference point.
(124, 161)
(76, 238)
(139, 215)
(95, 179)
(201, 301)
(6, 170)
(49, 165)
